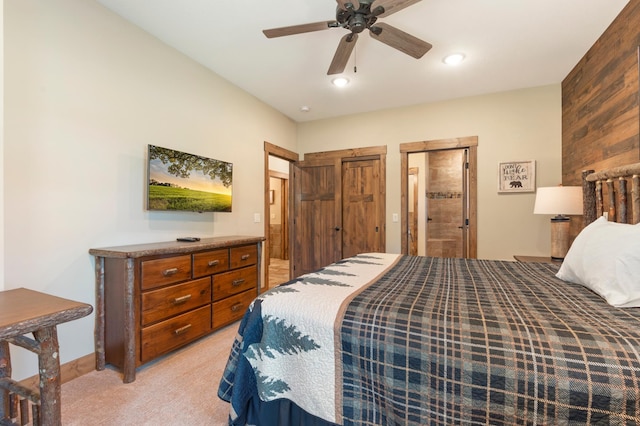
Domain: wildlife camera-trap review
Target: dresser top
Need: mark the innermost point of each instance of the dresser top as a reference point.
(173, 247)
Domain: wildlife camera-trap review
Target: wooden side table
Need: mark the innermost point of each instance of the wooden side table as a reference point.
(24, 311)
(543, 259)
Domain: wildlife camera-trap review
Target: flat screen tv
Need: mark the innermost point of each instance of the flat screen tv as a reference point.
(181, 181)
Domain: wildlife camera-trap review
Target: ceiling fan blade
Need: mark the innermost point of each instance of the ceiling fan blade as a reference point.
(299, 29)
(343, 52)
(400, 40)
(343, 4)
(392, 6)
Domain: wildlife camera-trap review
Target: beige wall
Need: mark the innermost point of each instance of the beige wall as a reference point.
(515, 125)
(2, 285)
(276, 207)
(85, 92)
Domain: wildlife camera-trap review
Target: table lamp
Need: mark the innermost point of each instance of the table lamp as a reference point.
(560, 201)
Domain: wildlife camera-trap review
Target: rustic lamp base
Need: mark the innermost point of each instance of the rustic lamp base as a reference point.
(559, 237)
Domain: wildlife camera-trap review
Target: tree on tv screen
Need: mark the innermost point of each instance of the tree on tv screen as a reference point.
(181, 164)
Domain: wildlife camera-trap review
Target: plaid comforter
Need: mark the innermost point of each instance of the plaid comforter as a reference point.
(467, 341)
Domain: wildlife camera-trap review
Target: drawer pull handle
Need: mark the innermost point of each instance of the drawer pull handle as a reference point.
(181, 299)
(181, 330)
(214, 262)
(237, 282)
(169, 272)
(245, 256)
(236, 307)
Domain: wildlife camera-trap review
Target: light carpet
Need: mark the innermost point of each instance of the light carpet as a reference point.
(177, 389)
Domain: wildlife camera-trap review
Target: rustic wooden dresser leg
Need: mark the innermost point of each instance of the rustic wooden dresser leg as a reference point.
(99, 328)
(258, 261)
(129, 325)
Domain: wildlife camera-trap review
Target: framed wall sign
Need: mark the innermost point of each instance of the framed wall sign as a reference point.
(517, 176)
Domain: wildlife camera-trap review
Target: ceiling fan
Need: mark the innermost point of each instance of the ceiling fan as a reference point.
(356, 16)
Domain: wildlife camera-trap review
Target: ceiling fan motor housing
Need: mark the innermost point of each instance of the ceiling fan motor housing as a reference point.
(358, 20)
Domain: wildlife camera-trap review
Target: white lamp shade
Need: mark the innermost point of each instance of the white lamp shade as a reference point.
(559, 200)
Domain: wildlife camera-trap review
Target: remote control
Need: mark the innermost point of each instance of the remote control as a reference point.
(188, 239)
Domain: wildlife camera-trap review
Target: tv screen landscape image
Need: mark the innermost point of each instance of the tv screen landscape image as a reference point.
(181, 181)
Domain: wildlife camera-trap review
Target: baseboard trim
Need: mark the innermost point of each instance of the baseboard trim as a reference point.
(68, 371)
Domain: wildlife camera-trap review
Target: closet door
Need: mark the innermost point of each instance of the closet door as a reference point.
(317, 215)
(361, 197)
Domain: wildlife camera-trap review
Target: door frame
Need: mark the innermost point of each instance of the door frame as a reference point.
(470, 143)
(291, 157)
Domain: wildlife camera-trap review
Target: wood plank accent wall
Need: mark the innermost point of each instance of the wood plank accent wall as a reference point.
(600, 114)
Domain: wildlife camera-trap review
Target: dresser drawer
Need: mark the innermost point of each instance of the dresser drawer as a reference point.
(159, 272)
(175, 332)
(233, 282)
(243, 256)
(210, 262)
(232, 308)
(169, 301)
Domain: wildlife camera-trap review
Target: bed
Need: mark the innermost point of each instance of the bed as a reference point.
(385, 339)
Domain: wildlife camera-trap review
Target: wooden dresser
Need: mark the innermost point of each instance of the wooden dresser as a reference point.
(154, 298)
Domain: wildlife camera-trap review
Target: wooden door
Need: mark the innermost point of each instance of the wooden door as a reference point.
(413, 210)
(316, 216)
(361, 222)
(446, 206)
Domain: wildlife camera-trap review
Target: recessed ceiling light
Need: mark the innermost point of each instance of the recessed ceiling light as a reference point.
(453, 59)
(305, 108)
(340, 81)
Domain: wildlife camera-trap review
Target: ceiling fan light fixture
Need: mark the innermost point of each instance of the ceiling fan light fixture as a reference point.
(453, 59)
(340, 81)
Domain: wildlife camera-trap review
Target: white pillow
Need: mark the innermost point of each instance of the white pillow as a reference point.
(605, 257)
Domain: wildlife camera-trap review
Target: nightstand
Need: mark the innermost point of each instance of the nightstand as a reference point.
(529, 259)
(24, 312)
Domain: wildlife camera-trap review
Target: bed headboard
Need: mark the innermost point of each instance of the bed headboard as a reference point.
(614, 183)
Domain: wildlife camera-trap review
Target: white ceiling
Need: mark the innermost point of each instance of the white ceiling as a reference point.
(509, 44)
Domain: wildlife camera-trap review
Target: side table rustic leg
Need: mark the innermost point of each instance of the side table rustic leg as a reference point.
(99, 328)
(49, 369)
(5, 371)
(129, 325)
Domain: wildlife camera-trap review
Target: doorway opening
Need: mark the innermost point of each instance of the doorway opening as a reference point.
(439, 198)
(277, 205)
(278, 222)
